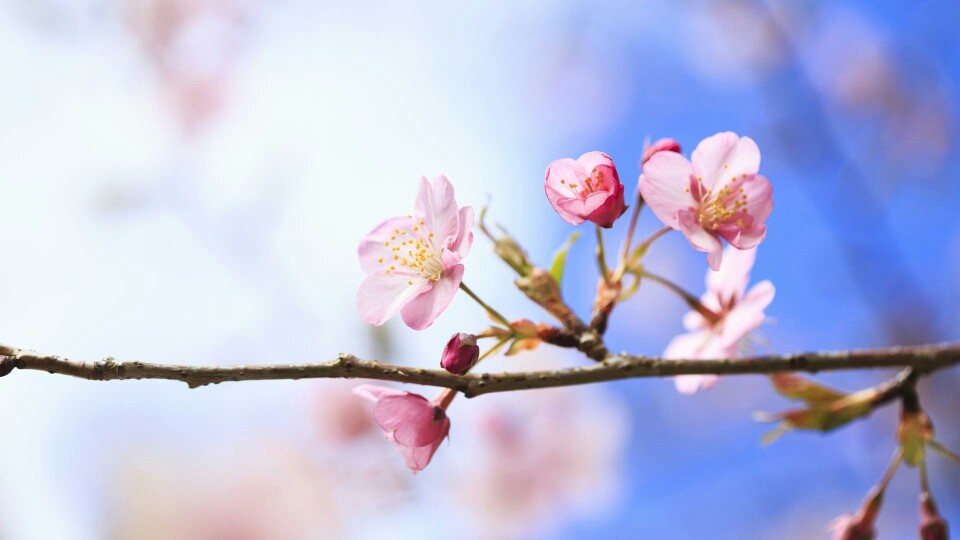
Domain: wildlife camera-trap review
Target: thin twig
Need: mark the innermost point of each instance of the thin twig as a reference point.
(923, 359)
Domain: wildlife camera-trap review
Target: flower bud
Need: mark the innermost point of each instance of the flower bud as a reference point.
(460, 354)
(932, 525)
(585, 189)
(662, 145)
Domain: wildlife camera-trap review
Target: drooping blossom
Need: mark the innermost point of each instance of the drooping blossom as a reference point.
(585, 189)
(413, 263)
(715, 195)
(414, 424)
(731, 313)
(460, 354)
(660, 145)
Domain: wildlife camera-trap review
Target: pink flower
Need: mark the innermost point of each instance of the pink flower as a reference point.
(413, 263)
(415, 425)
(460, 354)
(585, 189)
(732, 313)
(661, 145)
(717, 195)
(849, 527)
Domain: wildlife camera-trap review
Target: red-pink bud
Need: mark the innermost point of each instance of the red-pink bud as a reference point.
(662, 145)
(932, 525)
(460, 354)
(585, 189)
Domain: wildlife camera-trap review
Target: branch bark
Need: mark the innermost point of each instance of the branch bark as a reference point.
(923, 360)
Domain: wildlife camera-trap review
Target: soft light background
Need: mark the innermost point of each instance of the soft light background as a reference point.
(186, 181)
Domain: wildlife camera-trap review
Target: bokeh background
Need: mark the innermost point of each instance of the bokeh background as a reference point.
(186, 181)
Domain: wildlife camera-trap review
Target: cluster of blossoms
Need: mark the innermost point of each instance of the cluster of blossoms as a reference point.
(414, 268)
(414, 265)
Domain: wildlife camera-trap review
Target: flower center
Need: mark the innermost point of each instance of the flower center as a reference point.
(720, 206)
(415, 252)
(593, 183)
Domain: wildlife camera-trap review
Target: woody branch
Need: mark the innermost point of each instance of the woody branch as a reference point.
(923, 359)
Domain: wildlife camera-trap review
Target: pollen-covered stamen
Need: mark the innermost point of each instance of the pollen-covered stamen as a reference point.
(597, 181)
(415, 252)
(720, 206)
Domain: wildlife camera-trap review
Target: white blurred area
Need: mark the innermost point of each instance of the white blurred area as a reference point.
(186, 181)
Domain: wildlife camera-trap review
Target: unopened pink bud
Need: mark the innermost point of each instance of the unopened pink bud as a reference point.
(662, 145)
(460, 354)
(932, 525)
(848, 527)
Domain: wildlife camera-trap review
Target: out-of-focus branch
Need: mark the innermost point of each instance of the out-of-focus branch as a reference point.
(922, 359)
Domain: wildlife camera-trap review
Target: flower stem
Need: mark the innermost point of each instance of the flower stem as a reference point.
(492, 350)
(946, 452)
(690, 299)
(924, 481)
(494, 313)
(645, 245)
(891, 469)
(602, 256)
(625, 249)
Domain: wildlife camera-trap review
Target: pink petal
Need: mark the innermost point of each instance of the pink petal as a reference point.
(731, 280)
(559, 174)
(611, 209)
(690, 384)
(592, 160)
(409, 419)
(382, 295)
(424, 309)
(693, 346)
(372, 246)
(436, 205)
(694, 321)
(747, 315)
(583, 208)
(699, 237)
(724, 156)
(417, 458)
(374, 392)
(464, 238)
(759, 194)
(664, 184)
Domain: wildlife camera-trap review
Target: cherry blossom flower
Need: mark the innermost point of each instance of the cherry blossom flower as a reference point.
(585, 189)
(716, 195)
(661, 145)
(460, 354)
(413, 263)
(414, 424)
(731, 314)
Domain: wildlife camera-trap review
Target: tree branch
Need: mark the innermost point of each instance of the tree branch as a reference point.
(922, 359)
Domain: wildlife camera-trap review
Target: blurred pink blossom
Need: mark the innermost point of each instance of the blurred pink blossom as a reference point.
(460, 354)
(193, 46)
(715, 195)
(415, 425)
(413, 263)
(585, 189)
(537, 460)
(732, 313)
